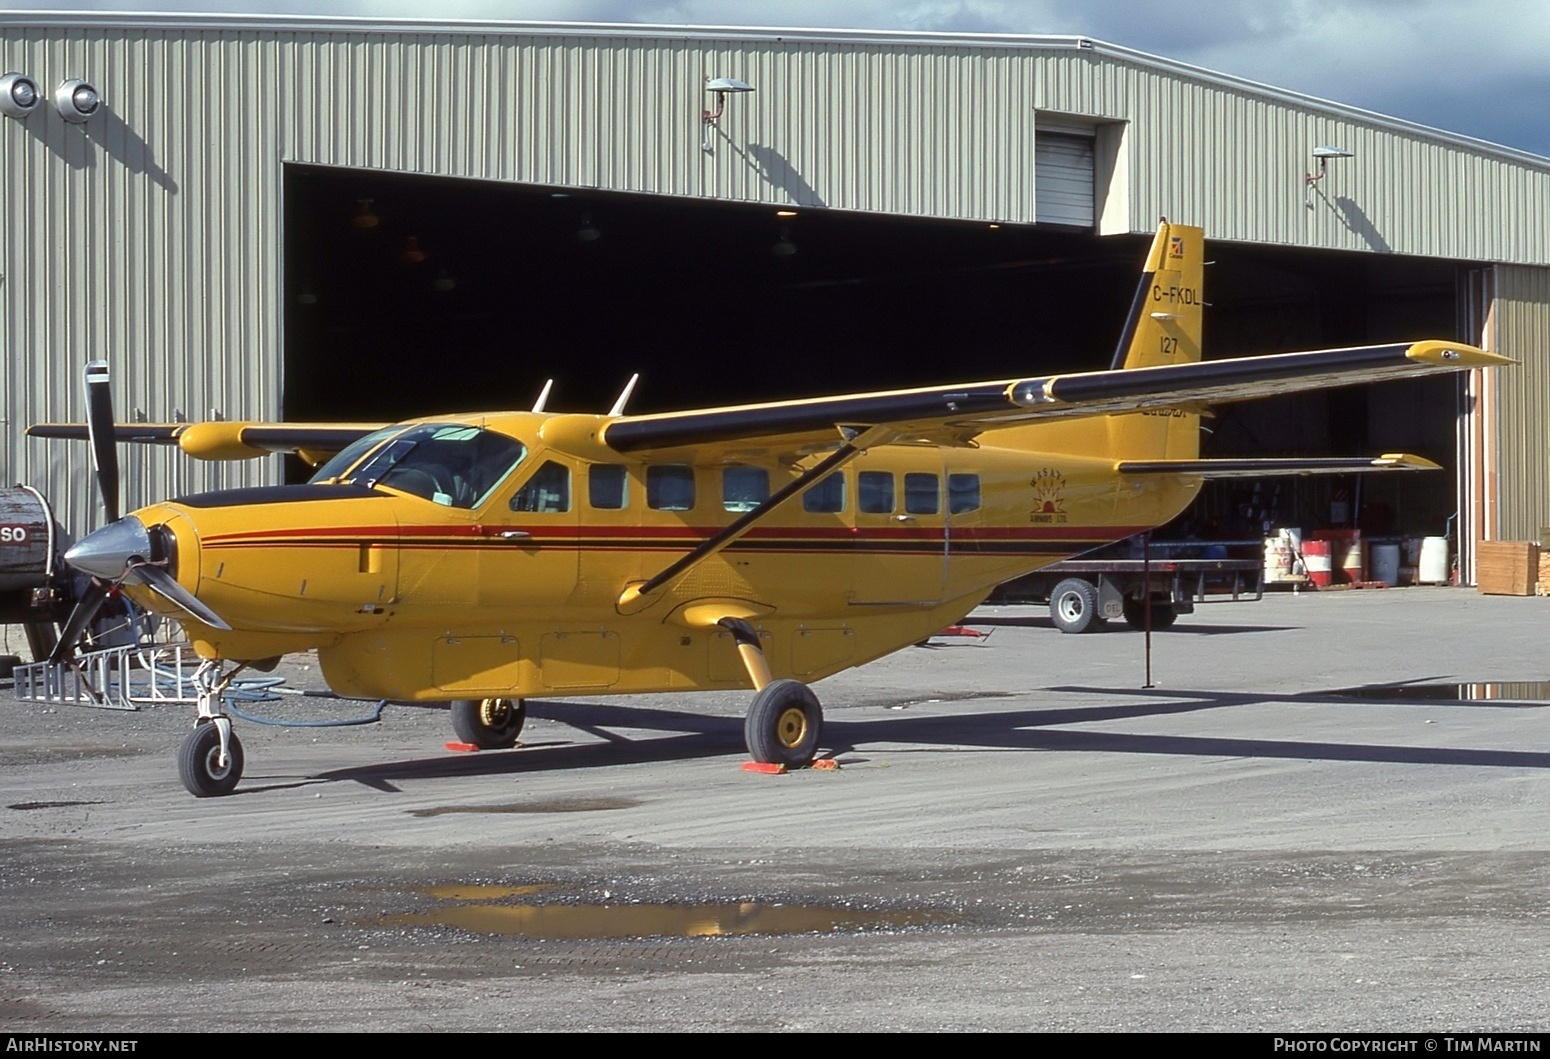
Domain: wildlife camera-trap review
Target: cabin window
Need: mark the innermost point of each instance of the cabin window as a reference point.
(921, 494)
(670, 488)
(876, 492)
(963, 493)
(744, 488)
(452, 464)
(547, 492)
(607, 486)
(827, 497)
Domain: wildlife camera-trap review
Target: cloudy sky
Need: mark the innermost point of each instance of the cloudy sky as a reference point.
(1477, 67)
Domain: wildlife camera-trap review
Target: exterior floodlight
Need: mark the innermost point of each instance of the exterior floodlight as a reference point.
(722, 87)
(1323, 154)
(18, 96)
(76, 101)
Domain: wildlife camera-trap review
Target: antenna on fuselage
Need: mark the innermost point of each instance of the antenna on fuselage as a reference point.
(629, 388)
(543, 397)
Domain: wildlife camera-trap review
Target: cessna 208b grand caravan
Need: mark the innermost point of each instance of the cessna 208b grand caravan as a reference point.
(483, 559)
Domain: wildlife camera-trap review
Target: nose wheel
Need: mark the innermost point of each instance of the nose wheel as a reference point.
(207, 768)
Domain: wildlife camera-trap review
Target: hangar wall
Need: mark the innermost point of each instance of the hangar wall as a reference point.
(1521, 329)
(152, 235)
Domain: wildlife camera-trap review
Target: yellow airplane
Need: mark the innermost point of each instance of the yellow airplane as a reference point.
(483, 559)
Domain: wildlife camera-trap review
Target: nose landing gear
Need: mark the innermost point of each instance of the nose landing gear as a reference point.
(210, 757)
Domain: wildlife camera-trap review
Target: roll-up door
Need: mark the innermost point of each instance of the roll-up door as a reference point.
(1063, 179)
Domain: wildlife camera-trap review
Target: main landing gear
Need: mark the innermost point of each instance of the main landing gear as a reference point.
(210, 757)
(785, 721)
(489, 724)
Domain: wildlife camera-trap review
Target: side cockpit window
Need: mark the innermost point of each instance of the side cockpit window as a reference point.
(449, 464)
(547, 492)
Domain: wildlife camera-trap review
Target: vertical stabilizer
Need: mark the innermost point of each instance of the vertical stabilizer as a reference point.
(1164, 327)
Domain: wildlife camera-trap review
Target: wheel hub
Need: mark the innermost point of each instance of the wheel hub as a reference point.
(791, 729)
(213, 766)
(495, 712)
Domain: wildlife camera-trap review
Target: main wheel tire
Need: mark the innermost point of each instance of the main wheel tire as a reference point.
(1073, 606)
(784, 724)
(199, 762)
(489, 724)
(1163, 614)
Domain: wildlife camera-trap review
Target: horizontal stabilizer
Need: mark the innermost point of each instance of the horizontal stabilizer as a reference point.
(1271, 468)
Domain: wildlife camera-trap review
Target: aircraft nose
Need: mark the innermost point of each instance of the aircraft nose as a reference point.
(107, 552)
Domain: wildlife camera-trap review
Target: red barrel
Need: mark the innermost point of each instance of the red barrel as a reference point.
(1316, 560)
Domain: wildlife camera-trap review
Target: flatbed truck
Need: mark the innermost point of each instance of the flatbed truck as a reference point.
(1085, 594)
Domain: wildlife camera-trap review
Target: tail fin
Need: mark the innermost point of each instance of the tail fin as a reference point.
(1164, 327)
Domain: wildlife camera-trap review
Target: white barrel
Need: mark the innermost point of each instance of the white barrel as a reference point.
(1385, 563)
(1434, 561)
(1278, 559)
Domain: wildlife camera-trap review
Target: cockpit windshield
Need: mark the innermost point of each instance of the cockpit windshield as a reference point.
(447, 463)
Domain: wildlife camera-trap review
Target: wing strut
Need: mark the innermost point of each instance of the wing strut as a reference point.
(633, 598)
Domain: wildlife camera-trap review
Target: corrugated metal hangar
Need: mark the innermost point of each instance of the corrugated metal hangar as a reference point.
(349, 220)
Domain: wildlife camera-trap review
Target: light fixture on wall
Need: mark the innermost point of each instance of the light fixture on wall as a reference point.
(588, 232)
(720, 87)
(18, 96)
(77, 101)
(1322, 155)
(784, 247)
(411, 254)
(365, 218)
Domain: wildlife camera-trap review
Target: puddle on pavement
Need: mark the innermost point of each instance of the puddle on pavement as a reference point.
(477, 912)
(1502, 691)
(562, 805)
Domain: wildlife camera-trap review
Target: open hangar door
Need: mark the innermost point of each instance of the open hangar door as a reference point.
(1267, 299)
(410, 295)
(413, 295)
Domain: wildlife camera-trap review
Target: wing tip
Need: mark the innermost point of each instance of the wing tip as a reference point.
(1455, 355)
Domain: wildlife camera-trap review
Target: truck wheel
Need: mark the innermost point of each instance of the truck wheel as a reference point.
(1163, 614)
(1073, 606)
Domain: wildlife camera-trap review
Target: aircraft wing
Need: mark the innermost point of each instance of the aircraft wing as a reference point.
(219, 440)
(957, 413)
(1279, 466)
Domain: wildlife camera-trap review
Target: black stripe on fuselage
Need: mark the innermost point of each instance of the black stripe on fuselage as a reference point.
(276, 494)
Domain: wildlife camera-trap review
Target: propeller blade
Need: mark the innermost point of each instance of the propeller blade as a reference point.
(99, 427)
(86, 609)
(165, 585)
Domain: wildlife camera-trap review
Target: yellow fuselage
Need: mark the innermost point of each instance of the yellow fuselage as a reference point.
(410, 599)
